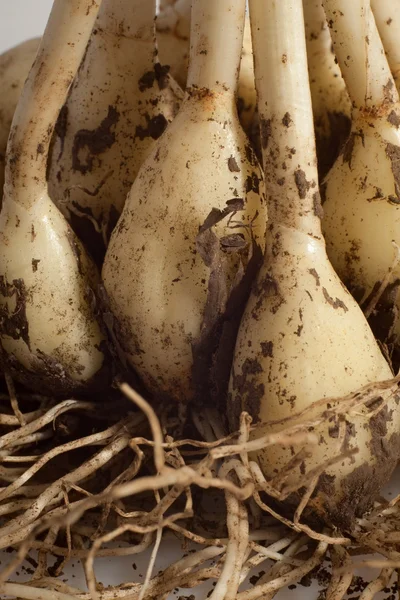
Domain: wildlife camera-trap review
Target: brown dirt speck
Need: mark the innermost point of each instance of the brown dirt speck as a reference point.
(336, 303)
(314, 273)
(155, 127)
(393, 153)
(232, 165)
(93, 142)
(265, 131)
(394, 118)
(248, 388)
(301, 183)
(317, 205)
(267, 349)
(287, 120)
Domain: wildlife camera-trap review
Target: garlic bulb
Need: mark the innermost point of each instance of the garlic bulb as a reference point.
(361, 211)
(157, 269)
(303, 337)
(14, 68)
(121, 101)
(48, 330)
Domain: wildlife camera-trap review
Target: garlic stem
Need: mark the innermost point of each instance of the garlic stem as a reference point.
(133, 19)
(330, 100)
(69, 27)
(387, 18)
(360, 53)
(286, 118)
(216, 44)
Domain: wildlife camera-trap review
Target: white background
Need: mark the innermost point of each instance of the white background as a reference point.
(20, 20)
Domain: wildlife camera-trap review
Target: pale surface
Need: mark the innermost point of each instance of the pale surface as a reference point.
(20, 20)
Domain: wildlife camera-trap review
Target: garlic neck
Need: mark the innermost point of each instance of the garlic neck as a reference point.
(216, 44)
(384, 122)
(211, 104)
(318, 38)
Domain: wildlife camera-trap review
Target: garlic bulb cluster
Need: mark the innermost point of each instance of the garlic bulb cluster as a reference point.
(215, 281)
